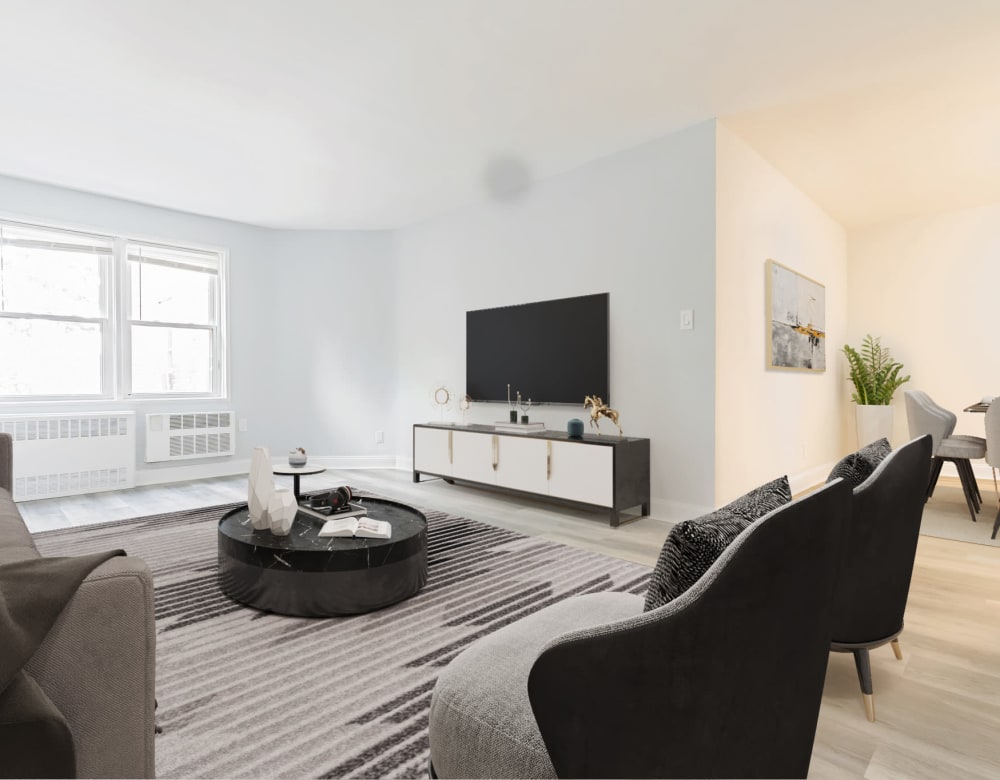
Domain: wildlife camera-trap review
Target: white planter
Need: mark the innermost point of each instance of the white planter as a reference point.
(281, 511)
(874, 422)
(261, 485)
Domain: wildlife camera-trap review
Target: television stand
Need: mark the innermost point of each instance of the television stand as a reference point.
(607, 472)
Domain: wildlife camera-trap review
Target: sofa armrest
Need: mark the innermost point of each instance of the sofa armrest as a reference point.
(7, 462)
(97, 666)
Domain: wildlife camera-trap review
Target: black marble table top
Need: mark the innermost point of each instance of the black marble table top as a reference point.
(304, 550)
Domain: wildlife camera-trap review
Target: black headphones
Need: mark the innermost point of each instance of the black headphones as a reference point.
(335, 499)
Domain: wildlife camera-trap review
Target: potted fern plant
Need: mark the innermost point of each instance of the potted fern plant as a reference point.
(876, 378)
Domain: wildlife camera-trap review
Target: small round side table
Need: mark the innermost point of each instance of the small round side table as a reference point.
(296, 472)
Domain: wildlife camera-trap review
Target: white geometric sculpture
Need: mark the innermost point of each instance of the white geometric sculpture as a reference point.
(281, 511)
(260, 488)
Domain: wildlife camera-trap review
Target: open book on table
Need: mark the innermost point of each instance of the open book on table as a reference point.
(357, 526)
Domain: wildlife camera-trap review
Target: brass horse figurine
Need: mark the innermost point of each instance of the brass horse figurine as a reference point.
(600, 409)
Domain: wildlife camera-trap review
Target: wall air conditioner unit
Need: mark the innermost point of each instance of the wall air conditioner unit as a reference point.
(71, 454)
(189, 435)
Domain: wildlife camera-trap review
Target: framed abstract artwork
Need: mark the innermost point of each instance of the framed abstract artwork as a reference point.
(796, 320)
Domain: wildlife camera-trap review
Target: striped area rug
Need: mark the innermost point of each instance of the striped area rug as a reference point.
(244, 693)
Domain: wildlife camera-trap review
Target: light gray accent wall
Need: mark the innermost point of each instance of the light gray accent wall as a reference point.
(311, 356)
(334, 364)
(639, 225)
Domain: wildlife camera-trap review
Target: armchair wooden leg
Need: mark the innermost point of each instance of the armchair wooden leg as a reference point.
(897, 650)
(996, 526)
(863, 663)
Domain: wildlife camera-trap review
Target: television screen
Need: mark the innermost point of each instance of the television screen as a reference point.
(550, 351)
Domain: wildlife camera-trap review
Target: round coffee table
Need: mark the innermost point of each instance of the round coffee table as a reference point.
(305, 575)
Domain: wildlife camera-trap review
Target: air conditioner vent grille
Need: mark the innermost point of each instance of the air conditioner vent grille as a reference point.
(189, 435)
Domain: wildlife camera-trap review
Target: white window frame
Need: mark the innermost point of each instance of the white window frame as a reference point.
(217, 328)
(116, 326)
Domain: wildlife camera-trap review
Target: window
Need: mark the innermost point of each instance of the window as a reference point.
(55, 327)
(174, 339)
(91, 316)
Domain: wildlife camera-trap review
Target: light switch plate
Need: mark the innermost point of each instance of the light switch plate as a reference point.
(687, 319)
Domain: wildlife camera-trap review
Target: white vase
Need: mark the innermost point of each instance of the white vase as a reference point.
(281, 510)
(874, 422)
(261, 485)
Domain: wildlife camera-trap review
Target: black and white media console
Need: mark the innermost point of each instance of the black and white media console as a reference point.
(599, 471)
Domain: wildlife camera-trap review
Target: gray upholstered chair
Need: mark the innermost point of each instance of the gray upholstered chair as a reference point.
(723, 681)
(880, 545)
(926, 417)
(993, 452)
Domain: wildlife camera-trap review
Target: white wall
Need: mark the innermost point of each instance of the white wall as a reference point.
(639, 225)
(311, 356)
(929, 288)
(335, 365)
(772, 422)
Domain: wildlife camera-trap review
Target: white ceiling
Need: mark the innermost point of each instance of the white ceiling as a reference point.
(382, 113)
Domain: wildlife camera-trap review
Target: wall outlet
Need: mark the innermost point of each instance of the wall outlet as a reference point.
(380, 437)
(687, 319)
(243, 425)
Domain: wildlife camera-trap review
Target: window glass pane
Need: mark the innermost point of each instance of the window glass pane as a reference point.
(46, 357)
(47, 281)
(171, 294)
(171, 360)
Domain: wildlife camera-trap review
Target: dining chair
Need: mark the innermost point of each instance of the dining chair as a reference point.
(993, 453)
(926, 417)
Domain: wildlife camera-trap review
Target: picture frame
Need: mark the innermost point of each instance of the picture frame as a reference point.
(795, 316)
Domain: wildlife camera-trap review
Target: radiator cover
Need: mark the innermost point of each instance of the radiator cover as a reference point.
(69, 454)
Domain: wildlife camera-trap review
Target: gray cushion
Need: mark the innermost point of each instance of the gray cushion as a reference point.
(693, 545)
(858, 466)
(962, 447)
(480, 724)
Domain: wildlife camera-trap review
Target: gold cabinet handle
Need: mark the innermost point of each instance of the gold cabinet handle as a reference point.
(496, 452)
(451, 451)
(548, 460)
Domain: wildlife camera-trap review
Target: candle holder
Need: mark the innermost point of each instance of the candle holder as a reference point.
(524, 409)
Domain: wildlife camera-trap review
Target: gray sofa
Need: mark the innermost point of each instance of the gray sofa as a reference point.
(97, 664)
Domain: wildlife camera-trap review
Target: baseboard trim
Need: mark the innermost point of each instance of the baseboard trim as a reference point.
(237, 466)
(805, 481)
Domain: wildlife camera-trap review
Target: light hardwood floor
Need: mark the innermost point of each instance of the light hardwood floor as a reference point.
(938, 709)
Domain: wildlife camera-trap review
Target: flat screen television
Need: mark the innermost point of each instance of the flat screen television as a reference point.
(550, 351)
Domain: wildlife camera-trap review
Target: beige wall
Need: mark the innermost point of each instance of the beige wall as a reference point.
(930, 288)
(770, 423)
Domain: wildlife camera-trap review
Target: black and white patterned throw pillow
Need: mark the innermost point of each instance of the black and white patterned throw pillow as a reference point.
(694, 545)
(858, 466)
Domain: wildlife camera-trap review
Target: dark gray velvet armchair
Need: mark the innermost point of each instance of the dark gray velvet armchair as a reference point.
(881, 544)
(723, 681)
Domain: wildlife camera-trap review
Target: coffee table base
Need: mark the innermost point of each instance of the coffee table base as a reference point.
(322, 593)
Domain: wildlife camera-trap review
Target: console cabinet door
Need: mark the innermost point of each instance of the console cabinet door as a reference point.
(521, 464)
(473, 455)
(583, 472)
(432, 452)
